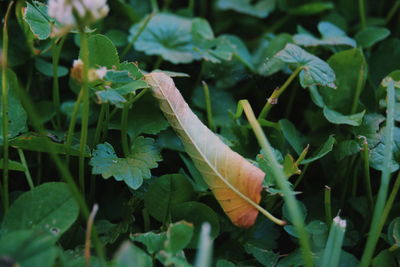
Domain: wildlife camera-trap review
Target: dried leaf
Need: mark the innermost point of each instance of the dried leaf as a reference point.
(235, 182)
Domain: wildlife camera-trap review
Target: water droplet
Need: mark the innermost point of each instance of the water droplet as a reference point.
(54, 230)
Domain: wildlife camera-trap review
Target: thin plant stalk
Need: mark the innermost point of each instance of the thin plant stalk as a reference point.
(328, 209)
(359, 87)
(392, 11)
(89, 227)
(154, 6)
(85, 109)
(367, 175)
(4, 100)
(281, 180)
(158, 63)
(191, 6)
(56, 87)
(208, 106)
(124, 128)
(130, 101)
(138, 33)
(26, 171)
(361, 8)
(72, 123)
(375, 229)
(272, 100)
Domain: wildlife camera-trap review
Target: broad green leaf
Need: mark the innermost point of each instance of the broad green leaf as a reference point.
(168, 36)
(394, 231)
(198, 182)
(165, 192)
(370, 128)
(196, 213)
(50, 208)
(331, 35)
(118, 76)
(263, 58)
(225, 263)
(338, 118)
(265, 257)
(179, 235)
(16, 114)
(202, 30)
(133, 69)
(347, 148)
(315, 71)
(318, 231)
(118, 37)
(131, 87)
(102, 52)
(154, 242)
(240, 50)
(322, 151)
(38, 20)
(311, 8)
(377, 152)
(40, 143)
(27, 248)
(129, 255)
(292, 135)
(132, 170)
(350, 68)
(46, 68)
(235, 182)
(144, 118)
(171, 259)
(259, 8)
(110, 96)
(371, 35)
(385, 258)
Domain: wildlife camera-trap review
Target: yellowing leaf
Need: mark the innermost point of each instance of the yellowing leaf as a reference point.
(235, 182)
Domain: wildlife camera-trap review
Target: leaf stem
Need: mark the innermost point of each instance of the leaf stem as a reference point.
(26, 171)
(281, 180)
(124, 130)
(208, 106)
(392, 11)
(56, 87)
(361, 8)
(390, 201)
(4, 91)
(328, 209)
(85, 109)
(138, 33)
(158, 63)
(359, 87)
(375, 228)
(89, 227)
(367, 176)
(272, 100)
(71, 128)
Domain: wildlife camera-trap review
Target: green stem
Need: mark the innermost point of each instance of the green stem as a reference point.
(191, 6)
(375, 229)
(367, 175)
(85, 109)
(361, 8)
(138, 33)
(282, 182)
(4, 91)
(124, 129)
(359, 87)
(146, 220)
(273, 99)
(158, 63)
(390, 202)
(154, 6)
(208, 106)
(56, 87)
(100, 125)
(392, 11)
(26, 171)
(328, 209)
(106, 122)
(72, 123)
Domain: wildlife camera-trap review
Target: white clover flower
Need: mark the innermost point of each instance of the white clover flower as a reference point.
(87, 11)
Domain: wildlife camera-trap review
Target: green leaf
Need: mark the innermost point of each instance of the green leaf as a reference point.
(154, 242)
(350, 68)
(111, 96)
(322, 151)
(385, 258)
(263, 256)
(118, 76)
(290, 166)
(338, 118)
(384, 60)
(347, 148)
(394, 232)
(102, 52)
(13, 165)
(16, 114)
(132, 170)
(286, 213)
(292, 135)
(130, 255)
(196, 213)
(318, 231)
(38, 20)
(168, 36)
(27, 248)
(201, 29)
(165, 192)
(225, 263)
(47, 68)
(178, 236)
(311, 8)
(131, 87)
(260, 8)
(377, 152)
(331, 35)
(315, 71)
(369, 36)
(144, 118)
(240, 50)
(40, 143)
(263, 58)
(50, 208)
